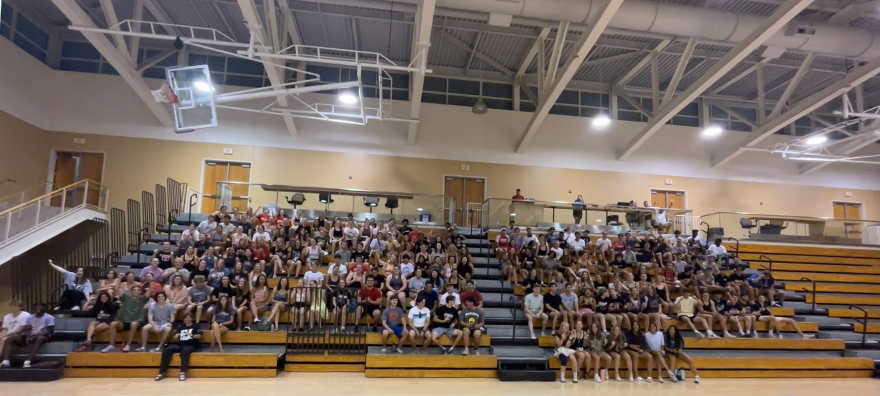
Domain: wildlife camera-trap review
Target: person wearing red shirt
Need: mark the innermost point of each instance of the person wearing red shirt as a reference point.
(263, 217)
(359, 262)
(518, 195)
(369, 301)
(261, 250)
(502, 241)
(471, 291)
(668, 274)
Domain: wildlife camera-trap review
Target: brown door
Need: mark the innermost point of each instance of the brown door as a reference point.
(216, 171)
(849, 211)
(667, 199)
(465, 190)
(72, 167)
(91, 167)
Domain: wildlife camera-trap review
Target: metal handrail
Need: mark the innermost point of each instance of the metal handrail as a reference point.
(736, 249)
(85, 182)
(864, 323)
(171, 220)
(770, 268)
(813, 308)
(513, 312)
(708, 227)
(191, 204)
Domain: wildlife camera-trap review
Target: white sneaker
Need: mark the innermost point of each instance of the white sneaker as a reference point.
(141, 349)
(597, 379)
(808, 336)
(156, 350)
(126, 349)
(384, 350)
(75, 309)
(562, 379)
(5, 363)
(697, 379)
(649, 380)
(631, 379)
(109, 348)
(728, 335)
(27, 364)
(660, 379)
(770, 334)
(575, 379)
(741, 334)
(533, 336)
(640, 379)
(712, 334)
(617, 379)
(672, 376)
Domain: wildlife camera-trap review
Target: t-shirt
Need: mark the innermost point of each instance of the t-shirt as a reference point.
(369, 294)
(70, 281)
(737, 278)
(106, 313)
(685, 305)
(655, 341)
(603, 244)
(132, 310)
(341, 297)
(444, 312)
(313, 276)
(471, 317)
(478, 298)
(569, 300)
(182, 272)
(454, 294)
(188, 333)
(223, 316)
(162, 314)
(418, 316)
(721, 306)
(198, 295)
(502, 240)
(221, 291)
(12, 323)
(392, 316)
(553, 300)
(430, 298)
(717, 250)
(164, 259)
(39, 325)
(534, 303)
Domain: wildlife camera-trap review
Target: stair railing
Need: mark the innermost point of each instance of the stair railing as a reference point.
(863, 321)
(813, 309)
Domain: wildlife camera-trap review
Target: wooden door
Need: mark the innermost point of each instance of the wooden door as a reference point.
(667, 199)
(849, 211)
(91, 167)
(474, 190)
(71, 167)
(240, 173)
(65, 175)
(216, 171)
(454, 187)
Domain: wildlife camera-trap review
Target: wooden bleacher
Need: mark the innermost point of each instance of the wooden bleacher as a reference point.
(145, 365)
(375, 339)
(743, 343)
(324, 363)
(435, 366)
(232, 337)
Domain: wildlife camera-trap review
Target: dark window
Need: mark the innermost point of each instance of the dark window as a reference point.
(749, 114)
(527, 106)
(77, 50)
(400, 80)
(691, 109)
(31, 32)
(565, 110)
(589, 112)
(158, 72)
(171, 60)
(498, 104)
(464, 87)
(435, 84)
(79, 66)
(629, 116)
(740, 126)
(244, 81)
(493, 90)
(686, 121)
(462, 100)
(5, 30)
(328, 74)
(107, 68)
(29, 47)
(6, 13)
(594, 99)
(433, 98)
(568, 97)
(242, 66)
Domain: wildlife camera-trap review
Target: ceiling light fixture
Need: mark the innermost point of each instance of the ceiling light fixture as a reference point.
(347, 98)
(815, 159)
(816, 140)
(203, 86)
(712, 130)
(601, 121)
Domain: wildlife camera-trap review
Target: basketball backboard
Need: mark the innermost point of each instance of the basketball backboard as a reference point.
(195, 97)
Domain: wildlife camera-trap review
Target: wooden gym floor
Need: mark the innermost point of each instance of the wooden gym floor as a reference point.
(355, 384)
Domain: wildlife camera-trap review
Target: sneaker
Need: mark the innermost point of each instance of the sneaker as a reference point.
(384, 350)
(575, 379)
(775, 304)
(109, 348)
(465, 352)
(27, 364)
(5, 363)
(659, 379)
(618, 379)
(697, 379)
(156, 350)
(400, 351)
(597, 379)
(649, 380)
(562, 379)
(728, 335)
(712, 334)
(640, 379)
(127, 348)
(755, 335)
(741, 334)
(141, 349)
(75, 309)
(533, 336)
(672, 376)
(700, 335)
(808, 336)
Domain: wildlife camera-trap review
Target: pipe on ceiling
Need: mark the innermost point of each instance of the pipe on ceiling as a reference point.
(662, 19)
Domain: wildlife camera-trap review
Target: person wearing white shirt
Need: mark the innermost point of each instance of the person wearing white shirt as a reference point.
(578, 243)
(556, 249)
(191, 231)
(313, 275)
(13, 323)
(261, 233)
(343, 269)
(655, 341)
(604, 246)
(529, 237)
(718, 250)
(419, 317)
(450, 291)
(568, 236)
(407, 267)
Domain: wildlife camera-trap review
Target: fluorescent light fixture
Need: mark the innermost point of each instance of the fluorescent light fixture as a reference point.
(203, 86)
(712, 130)
(347, 98)
(419, 209)
(815, 159)
(598, 220)
(513, 214)
(816, 140)
(601, 121)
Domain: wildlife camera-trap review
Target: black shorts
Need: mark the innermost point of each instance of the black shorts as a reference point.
(127, 325)
(19, 339)
(482, 330)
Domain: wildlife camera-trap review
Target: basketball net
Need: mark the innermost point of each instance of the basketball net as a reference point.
(164, 94)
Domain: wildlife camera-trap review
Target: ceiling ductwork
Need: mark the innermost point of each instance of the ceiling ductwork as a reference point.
(658, 18)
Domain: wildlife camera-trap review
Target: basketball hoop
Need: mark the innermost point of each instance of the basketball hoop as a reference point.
(164, 94)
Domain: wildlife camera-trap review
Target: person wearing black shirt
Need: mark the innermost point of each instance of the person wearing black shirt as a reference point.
(688, 279)
(553, 305)
(530, 281)
(341, 304)
(635, 340)
(443, 323)
(378, 280)
(736, 312)
(737, 281)
(359, 252)
(430, 295)
(104, 310)
(405, 229)
(165, 255)
(719, 311)
(187, 336)
(674, 350)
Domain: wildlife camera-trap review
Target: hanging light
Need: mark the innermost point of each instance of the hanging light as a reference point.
(601, 121)
(480, 107)
(347, 98)
(816, 140)
(712, 130)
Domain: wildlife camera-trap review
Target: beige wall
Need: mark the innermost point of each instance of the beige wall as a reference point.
(23, 155)
(136, 164)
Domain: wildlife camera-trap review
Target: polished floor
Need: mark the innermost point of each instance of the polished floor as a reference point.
(343, 384)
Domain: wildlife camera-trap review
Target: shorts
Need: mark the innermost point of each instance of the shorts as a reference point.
(440, 331)
(20, 339)
(689, 316)
(160, 328)
(584, 311)
(127, 325)
(397, 330)
(104, 321)
(481, 329)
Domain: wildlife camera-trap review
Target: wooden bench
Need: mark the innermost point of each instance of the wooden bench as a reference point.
(872, 328)
(325, 363)
(853, 313)
(232, 337)
(376, 339)
(771, 249)
(844, 300)
(806, 327)
(821, 268)
(833, 288)
(823, 277)
(743, 343)
(793, 258)
(431, 366)
(146, 365)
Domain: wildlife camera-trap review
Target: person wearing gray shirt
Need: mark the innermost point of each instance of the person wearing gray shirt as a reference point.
(569, 304)
(393, 321)
(160, 318)
(472, 320)
(199, 296)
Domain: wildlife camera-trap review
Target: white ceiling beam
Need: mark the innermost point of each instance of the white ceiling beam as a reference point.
(765, 30)
(461, 44)
(727, 83)
(112, 20)
(556, 54)
(272, 28)
(119, 60)
(533, 51)
(153, 60)
(679, 70)
(851, 12)
(135, 41)
(792, 85)
(255, 25)
(597, 24)
(161, 16)
(290, 24)
(528, 90)
(640, 64)
(799, 110)
(467, 66)
(868, 137)
(635, 103)
(762, 96)
(421, 43)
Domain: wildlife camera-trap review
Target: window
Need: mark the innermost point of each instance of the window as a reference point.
(398, 84)
(727, 121)
(627, 112)
(457, 92)
(688, 116)
(22, 32)
(84, 58)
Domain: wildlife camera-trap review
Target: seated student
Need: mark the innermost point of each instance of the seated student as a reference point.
(720, 307)
(187, 336)
(396, 285)
(443, 322)
(176, 269)
(130, 316)
(565, 344)
(635, 340)
(615, 346)
(104, 309)
(38, 330)
(13, 323)
(761, 284)
(176, 292)
(107, 284)
(160, 319)
(686, 310)
(472, 321)
(450, 292)
(736, 313)
(393, 322)
(533, 307)
(674, 349)
(341, 304)
(369, 302)
(553, 306)
(761, 310)
(419, 320)
(79, 287)
(224, 288)
(279, 298)
(430, 295)
(198, 297)
(471, 292)
(655, 342)
(594, 345)
(241, 300)
(737, 282)
(224, 319)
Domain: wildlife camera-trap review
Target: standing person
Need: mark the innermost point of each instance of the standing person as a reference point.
(533, 307)
(160, 319)
(224, 319)
(565, 344)
(675, 351)
(187, 336)
(104, 310)
(472, 321)
(443, 322)
(79, 288)
(655, 342)
(13, 325)
(130, 316)
(393, 322)
(38, 330)
(578, 214)
(419, 319)
(635, 339)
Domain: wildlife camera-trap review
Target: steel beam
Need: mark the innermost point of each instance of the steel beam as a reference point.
(762, 97)
(461, 44)
(800, 109)
(597, 24)
(118, 59)
(640, 64)
(868, 137)
(792, 85)
(467, 66)
(135, 42)
(421, 43)
(555, 56)
(679, 70)
(112, 20)
(727, 83)
(153, 60)
(161, 16)
(290, 24)
(765, 30)
(255, 25)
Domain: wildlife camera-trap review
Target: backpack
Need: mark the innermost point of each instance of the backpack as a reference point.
(263, 325)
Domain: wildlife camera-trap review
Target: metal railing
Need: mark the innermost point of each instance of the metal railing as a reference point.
(805, 279)
(18, 198)
(20, 220)
(769, 260)
(161, 208)
(322, 331)
(863, 321)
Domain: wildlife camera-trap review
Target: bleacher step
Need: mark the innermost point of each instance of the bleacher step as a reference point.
(820, 319)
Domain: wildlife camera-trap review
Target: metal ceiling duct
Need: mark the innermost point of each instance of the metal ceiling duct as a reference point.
(658, 18)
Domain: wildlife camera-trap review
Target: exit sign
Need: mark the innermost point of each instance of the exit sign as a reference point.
(227, 151)
(465, 167)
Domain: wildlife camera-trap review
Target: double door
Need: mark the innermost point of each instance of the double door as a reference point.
(467, 192)
(218, 171)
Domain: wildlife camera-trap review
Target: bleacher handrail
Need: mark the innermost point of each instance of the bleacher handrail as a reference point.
(864, 322)
(805, 279)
